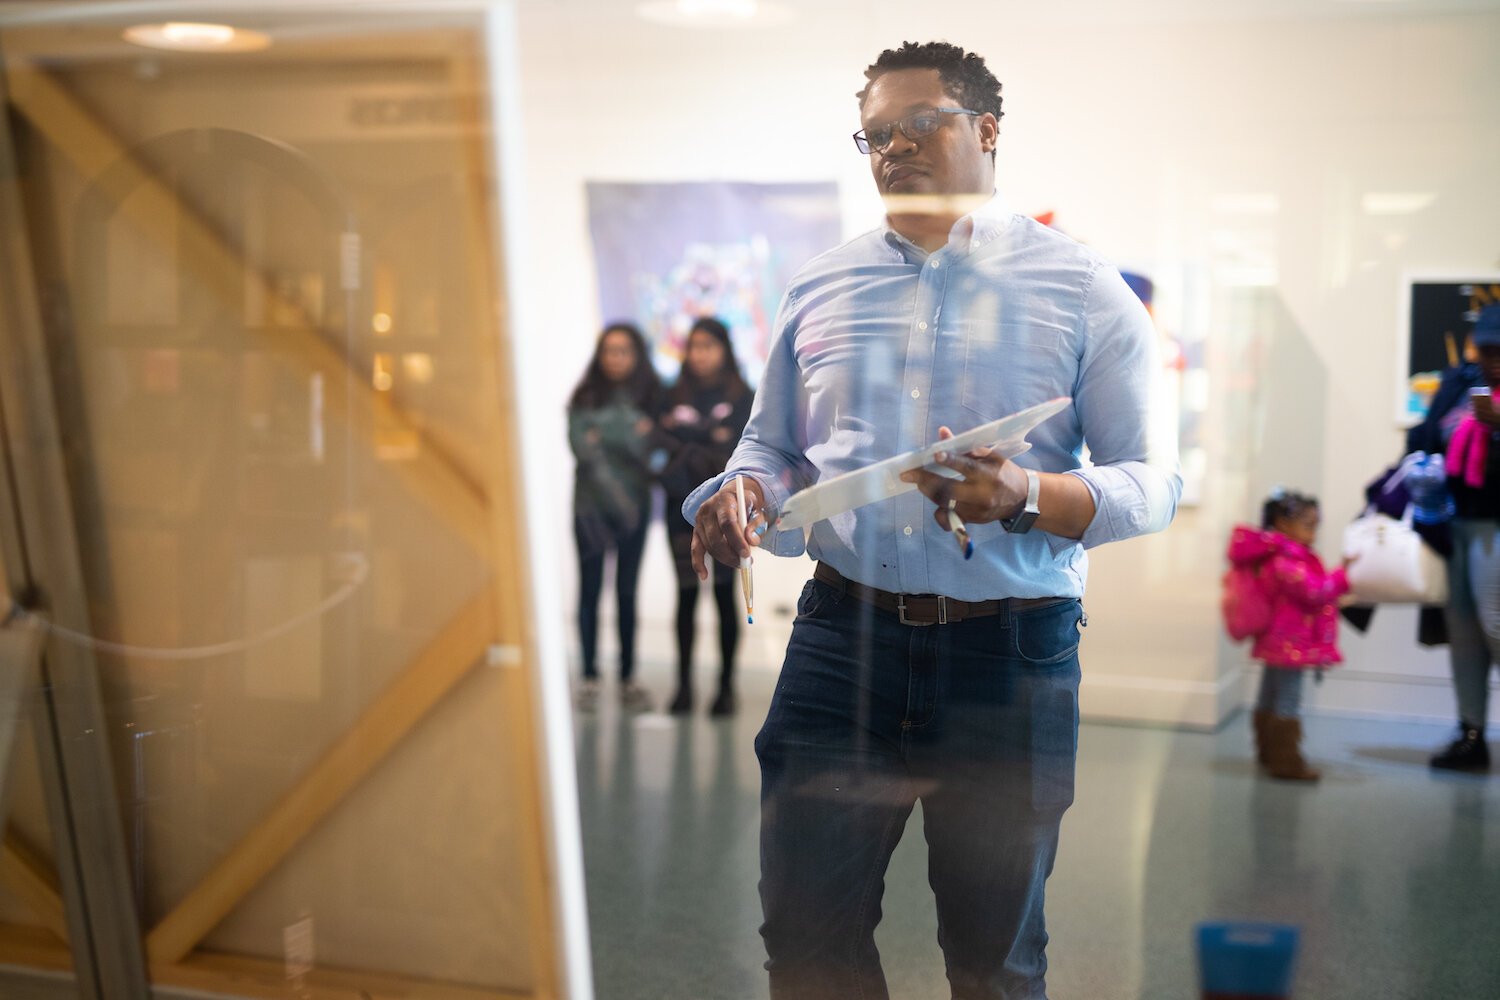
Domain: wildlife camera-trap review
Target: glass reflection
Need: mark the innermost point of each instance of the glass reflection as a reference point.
(278, 372)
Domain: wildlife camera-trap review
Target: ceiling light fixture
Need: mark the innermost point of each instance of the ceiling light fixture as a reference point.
(1396, 202)
(714, 13)
(1246, 203)
(191, 36)
(716, 8)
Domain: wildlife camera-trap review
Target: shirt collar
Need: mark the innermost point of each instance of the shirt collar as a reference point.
(969, 233)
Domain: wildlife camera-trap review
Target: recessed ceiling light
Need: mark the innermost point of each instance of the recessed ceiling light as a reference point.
(714, 13)
(1246, 203)
(1395, 202)
(717, 8)
(191, 36)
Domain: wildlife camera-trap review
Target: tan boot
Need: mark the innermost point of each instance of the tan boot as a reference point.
(1259, 721)
(1284, 751)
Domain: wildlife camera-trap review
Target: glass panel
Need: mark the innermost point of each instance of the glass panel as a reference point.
(33, 927)
(1282, 218)
(270, 280)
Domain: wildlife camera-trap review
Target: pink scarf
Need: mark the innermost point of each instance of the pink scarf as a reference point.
(1469, 450)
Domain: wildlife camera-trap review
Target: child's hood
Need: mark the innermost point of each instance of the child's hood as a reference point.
(1249, 545)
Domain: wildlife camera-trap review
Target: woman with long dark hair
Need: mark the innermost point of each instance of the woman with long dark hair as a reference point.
(699, 424)
(610, 430)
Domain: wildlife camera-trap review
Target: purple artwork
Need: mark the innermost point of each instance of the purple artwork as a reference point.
(667, 254)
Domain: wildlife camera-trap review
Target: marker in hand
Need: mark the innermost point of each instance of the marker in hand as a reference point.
(959, 530)
(747, 580)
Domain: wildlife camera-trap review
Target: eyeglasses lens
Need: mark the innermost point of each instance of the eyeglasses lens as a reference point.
(921, 124)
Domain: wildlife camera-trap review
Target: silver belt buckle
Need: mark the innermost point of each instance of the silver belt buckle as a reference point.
(942, 603)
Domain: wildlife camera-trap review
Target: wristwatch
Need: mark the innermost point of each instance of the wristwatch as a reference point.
(1022, 522)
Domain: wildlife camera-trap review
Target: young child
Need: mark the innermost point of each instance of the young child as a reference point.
(1303, 630)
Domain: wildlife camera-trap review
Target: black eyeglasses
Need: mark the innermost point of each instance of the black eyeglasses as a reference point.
(917, 125)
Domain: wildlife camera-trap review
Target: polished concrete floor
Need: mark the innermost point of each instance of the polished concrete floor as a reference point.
(1391, 871)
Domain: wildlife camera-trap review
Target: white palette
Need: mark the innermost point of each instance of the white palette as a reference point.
(883, 479)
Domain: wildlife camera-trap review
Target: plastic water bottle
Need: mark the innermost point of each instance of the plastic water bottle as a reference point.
(1427, 482)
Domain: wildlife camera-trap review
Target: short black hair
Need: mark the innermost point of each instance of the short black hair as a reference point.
(1284, 503)
(964, 74)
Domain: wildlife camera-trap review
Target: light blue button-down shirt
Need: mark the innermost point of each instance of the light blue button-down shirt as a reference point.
(878, 343)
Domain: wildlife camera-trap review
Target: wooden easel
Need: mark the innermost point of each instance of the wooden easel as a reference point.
(20, 660)
(480, 502)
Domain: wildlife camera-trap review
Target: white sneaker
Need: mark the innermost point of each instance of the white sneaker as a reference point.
(634, 698)
(586, 697)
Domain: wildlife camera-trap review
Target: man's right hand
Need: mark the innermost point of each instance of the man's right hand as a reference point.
(717, 532)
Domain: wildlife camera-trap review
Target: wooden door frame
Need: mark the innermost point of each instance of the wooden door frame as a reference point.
(491, 515)
(43, 567)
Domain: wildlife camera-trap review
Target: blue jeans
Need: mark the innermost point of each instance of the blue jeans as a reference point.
(979, 721)
(1473, 615)
(1281, 691)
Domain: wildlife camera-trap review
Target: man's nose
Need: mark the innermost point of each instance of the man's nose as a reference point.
(899, 145)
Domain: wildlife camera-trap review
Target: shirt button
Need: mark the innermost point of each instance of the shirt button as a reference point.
(922, 325)
(916, 393)
(937, 263)
(908, 529)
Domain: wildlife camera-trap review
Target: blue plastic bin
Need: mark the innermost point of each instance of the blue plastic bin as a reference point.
(1243, 959)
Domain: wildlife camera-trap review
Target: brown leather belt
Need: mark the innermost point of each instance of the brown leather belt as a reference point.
(928, 609)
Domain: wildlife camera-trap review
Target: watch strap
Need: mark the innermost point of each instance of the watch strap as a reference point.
(1022, 522)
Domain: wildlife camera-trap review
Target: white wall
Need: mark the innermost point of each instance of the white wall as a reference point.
(1143, 132)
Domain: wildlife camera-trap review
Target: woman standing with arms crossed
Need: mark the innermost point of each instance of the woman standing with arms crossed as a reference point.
(700, 423)
(610, 430)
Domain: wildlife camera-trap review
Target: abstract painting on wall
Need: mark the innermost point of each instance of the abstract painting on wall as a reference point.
(666, 254)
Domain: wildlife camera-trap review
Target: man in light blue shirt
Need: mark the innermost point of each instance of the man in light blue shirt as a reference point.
(913, 672)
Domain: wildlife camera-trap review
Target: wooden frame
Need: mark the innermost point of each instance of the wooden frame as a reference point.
(484, 509)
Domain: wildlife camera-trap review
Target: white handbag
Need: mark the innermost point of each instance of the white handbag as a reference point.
(1392, 565)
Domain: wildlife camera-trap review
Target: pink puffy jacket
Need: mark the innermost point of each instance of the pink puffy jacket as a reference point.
(1304, 617)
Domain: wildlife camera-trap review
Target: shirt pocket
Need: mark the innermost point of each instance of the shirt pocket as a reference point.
(1013, 366)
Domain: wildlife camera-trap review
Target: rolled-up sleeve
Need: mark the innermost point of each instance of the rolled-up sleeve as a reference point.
(1134, 479)
(772, 448)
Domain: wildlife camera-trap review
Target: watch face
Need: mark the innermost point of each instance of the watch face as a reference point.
(1021, 523)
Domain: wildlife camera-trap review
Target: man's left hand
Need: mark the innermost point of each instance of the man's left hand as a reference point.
(992, 486)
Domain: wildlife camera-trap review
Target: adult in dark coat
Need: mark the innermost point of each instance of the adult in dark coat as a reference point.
(1472, 451)
(699, 424)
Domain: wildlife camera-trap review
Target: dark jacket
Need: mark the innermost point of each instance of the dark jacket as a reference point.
(1432, 434)
(1450, 403)
(699, 428)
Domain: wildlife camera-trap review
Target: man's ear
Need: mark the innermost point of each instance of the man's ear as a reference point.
(989, 132)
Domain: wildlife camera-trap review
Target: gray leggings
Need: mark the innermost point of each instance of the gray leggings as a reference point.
(1473, 614)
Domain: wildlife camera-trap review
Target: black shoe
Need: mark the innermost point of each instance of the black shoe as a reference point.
(683, 702)
(1467, 753)
(724, 704)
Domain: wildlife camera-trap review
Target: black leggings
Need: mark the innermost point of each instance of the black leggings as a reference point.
(595, 536)
(680, 537)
